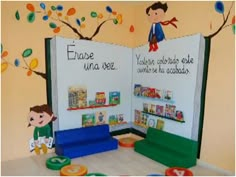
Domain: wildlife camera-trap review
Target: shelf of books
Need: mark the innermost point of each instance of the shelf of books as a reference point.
(164, 117)
(92, 107)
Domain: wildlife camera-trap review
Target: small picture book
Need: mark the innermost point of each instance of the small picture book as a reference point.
(145, 107)
(101, 117)
(151, 122)
(88, 120)
(160, 124)
(114, 97)
(137, 89)
(170, 111)
(113, 120)
(41, 140)
(168, 95)
(137, 117)
(144, 120)
(159, 110)
(152, 108)
(179, 115)
(120, 118)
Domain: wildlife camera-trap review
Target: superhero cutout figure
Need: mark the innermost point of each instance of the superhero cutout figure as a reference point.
(156, 13)
(40, 117)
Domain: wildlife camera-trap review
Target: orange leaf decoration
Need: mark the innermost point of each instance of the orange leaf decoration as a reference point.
(57, 30)
(100, 16)
(59, 14)
(29, 73)
(71, 11)
(82, 25)
(4, 66)
(233, 20)
(131, 29)
(114, 13)
(4, 54)
(49, 13)
(30, 7)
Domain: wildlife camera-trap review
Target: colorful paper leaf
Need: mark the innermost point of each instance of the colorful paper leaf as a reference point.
(1, 48)
(115, 21)
(49, 13)
(219, 7)
(53, 8)
(27, 52)
(93, 14)
(59, 14)
(233, 28)
(4, 66)
(4, 54)
(100, 16)
(233, 20)
(60, 7)
(30, 7)
(45, 17)
(82, 25)
(109, 9)
(29, 73)
(17, 62)
(33, 64)
(52, 25)
(71, 11)
(119, 18)
(114, 13)
(83, 19)
(131, 29)
(57, 30)
(42, 5)
(31, 17)
(17, 15)
(78, 21)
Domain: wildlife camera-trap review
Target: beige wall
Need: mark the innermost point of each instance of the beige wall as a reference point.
(20, 92)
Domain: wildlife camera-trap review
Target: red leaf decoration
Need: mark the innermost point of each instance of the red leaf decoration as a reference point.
(233, 20)
(30, 7)
(131, 29)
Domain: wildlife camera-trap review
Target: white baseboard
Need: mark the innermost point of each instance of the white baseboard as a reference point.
(215, 168)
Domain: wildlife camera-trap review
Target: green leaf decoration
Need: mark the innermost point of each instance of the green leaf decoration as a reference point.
(233, 28)
(17, 15)
(94, 14)
(115, 21)
(1, 48)
(52, 25)
(53, 8)
(31, 17)
(83, 19)
(27, 52)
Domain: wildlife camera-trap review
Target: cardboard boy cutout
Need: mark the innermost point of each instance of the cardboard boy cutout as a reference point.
(156, 13)
(40, 117)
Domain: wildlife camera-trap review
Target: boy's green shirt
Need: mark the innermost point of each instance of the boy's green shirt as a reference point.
(42, 131)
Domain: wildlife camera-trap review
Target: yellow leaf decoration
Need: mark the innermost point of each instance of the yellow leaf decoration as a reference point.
(34, 63)
(4, 66)
(100, 16)
(119, 19)
(82, 25)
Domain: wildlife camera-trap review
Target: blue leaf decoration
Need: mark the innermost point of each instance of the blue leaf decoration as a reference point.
(45, 17)
(78, 21)
(219, 7)
(60, 7)
(42, 5)
(109, 9)
(17, 62)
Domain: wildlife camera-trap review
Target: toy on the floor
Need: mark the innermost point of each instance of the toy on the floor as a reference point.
(96, 174)
(84, 141)
(73, 170)
(178, 171)
(127, 142)
(169, 149)
(57, 162)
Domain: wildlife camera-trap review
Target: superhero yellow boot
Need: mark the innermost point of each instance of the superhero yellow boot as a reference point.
(44, 148)
(37, 150)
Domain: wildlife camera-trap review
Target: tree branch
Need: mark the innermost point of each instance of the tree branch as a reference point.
(224, 22)
(98, 29)
(43, 75)
(74, 30)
